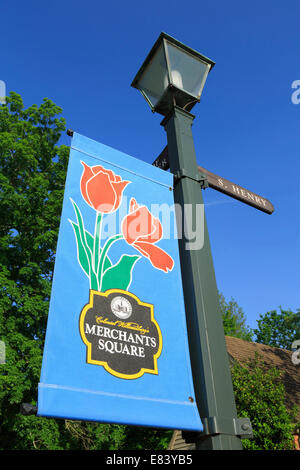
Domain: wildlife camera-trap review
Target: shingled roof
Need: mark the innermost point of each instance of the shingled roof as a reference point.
(242, 351)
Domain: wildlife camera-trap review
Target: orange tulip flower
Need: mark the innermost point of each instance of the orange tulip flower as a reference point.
(101, 188)
(142, 230)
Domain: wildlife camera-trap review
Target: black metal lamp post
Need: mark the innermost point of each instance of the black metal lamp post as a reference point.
(171, 79)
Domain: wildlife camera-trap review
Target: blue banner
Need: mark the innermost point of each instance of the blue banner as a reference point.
(116, 346)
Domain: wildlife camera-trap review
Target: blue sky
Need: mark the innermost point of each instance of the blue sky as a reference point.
(84, 55)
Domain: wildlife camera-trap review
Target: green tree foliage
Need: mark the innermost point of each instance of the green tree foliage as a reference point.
(278, 329)
(32, 175)
(95, 436)
(234, 320)
(140, 438)
(260, 396)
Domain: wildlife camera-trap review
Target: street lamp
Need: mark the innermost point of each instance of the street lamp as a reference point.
(171, 79)
(172, 74)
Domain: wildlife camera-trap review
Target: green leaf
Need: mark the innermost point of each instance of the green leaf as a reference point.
(81, 229)
(107, 264)
(81, 250)
(85, 244)
(90, 240)
(119, 275)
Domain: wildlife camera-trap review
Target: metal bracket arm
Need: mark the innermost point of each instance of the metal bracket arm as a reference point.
(213, 426)
(199, 178)
(236, 426)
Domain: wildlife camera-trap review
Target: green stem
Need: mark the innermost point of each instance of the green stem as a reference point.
(104, 251)
(93, 280)
(97, 240)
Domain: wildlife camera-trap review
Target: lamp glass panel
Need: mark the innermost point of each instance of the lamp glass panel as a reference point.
(154, 80)
(187, 71)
